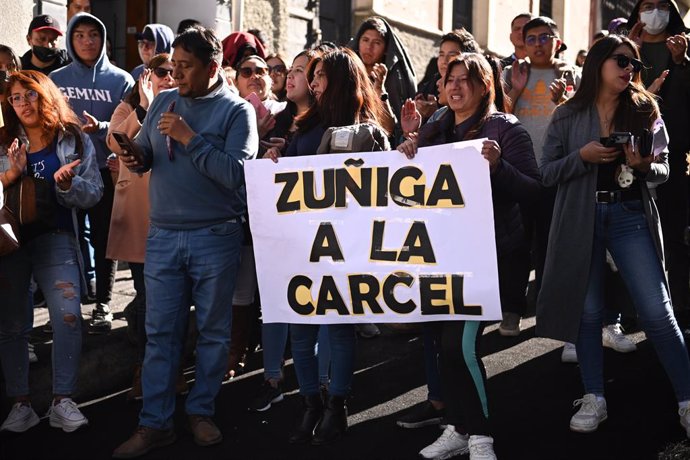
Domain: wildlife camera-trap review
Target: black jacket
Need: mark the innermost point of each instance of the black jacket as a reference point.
(401, 81)
(516, 179)
(61, 61)
(674, 95)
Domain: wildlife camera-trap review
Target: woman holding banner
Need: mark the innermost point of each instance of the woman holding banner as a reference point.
(344, 97)
(471, 91)
(603, 203)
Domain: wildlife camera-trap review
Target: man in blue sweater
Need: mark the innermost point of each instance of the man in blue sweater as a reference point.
(195, 141)
(95, 87)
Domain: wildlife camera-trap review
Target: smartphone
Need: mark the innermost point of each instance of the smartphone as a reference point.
(618, 138)
(128, 146)
(254, 100)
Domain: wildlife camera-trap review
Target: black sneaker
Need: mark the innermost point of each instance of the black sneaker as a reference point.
(268, 394)
(422, 414)
(101, 320)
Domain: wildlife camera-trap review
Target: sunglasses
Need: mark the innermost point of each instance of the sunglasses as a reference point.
(531, 40)
(160, 72)
(280, 69)
(29, 96)
(624, 61)
(247, 72)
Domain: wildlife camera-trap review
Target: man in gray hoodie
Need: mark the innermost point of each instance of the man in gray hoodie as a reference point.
(94, 88)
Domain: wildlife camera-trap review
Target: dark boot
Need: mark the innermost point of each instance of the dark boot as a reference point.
(239, 338)
(333, 423)
(313, 408)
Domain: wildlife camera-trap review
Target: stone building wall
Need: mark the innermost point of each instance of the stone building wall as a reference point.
(14, 23)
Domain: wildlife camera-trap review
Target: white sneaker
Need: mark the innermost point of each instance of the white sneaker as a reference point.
(449, 444)
(482, 448)
(21, 418)
(32, 354)
(569, 354)
(684, 413)
(66, 415)
(592, 412)
(612, 337)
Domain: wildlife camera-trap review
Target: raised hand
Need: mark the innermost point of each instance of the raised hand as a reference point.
(63, 176)
(91, 125)
(410, 118)
(145, 89)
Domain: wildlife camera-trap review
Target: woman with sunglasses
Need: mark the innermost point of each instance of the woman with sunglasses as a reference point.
(277, 69)
(253, 77)
(471, 90)
(53, 149)
(603, 203)
(129, 222)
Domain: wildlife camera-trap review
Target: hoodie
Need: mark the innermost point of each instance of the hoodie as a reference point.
(401, 81)
(236, 43)
(163, 37)
(97, 90)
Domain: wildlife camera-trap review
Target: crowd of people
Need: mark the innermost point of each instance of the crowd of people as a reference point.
(587, 164)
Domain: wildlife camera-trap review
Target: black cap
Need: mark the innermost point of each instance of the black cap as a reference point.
(147, 34)
(44, 22)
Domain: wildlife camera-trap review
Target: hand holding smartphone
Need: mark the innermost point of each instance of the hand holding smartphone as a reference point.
(130, 151)
(254, 100)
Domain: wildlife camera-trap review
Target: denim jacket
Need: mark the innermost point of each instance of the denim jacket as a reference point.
(87, 185)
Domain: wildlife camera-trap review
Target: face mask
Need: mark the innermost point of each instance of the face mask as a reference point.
(44, 54)
(655, 21)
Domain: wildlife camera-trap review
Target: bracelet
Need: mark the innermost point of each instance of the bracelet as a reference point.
(141, 113)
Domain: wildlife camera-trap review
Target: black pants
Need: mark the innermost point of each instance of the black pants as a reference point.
(513, 276)
(672, 203)
(463, 377)
(99, 219)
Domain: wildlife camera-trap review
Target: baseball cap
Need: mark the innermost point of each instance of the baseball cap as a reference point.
(147, 34)
(44, 22)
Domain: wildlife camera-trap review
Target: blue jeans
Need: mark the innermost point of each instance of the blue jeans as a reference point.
(323, 352)
(274, 339)
(182, 268)
(53, 260)
(622, 229)
(342, 341)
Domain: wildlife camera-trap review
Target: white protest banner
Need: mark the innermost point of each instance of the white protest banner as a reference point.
(375, 237)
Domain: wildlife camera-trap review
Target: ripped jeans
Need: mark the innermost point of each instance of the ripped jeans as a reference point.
(52, 258)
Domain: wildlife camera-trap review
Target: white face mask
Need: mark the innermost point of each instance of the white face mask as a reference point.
(655, 21)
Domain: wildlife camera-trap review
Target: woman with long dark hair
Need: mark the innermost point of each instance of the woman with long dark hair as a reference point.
(344, 97)
(53, 150)
(604, 203)
(470, 89)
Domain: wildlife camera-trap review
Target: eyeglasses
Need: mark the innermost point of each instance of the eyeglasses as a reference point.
(662, 6)
(280, 69)
(531, 40)
(29, 96)
(624, 61)
(247, 72)
(160, 72)
(145, 44)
